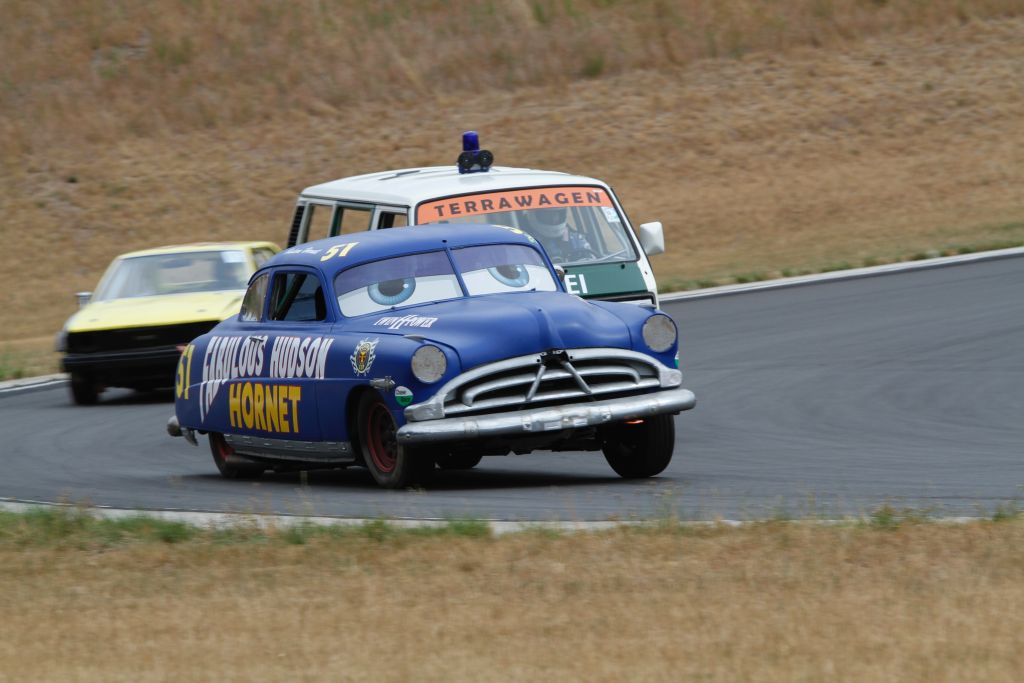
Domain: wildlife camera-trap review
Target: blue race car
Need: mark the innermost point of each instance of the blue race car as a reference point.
(406, 350)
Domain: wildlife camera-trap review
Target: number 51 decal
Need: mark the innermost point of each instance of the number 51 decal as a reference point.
(338, 250)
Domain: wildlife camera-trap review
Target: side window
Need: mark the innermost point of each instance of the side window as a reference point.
(252, 304)
(297, 297)
(389, 219)
(353, 220)
(320, 216)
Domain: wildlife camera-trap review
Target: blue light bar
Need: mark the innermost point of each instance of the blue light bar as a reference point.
(473, 159)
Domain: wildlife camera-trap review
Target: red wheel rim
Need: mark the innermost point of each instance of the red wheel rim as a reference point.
(223, 449)
(380, 433)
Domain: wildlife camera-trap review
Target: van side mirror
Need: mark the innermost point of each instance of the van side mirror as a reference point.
(83, 298)
(652, 238)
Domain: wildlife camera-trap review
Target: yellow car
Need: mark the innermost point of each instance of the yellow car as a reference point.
(147, 307)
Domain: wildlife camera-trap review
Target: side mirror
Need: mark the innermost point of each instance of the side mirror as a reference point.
(652, 238)
(83, 298)
(560, 272)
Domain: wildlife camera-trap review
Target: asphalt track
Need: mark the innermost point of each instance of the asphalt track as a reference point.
(821, 400)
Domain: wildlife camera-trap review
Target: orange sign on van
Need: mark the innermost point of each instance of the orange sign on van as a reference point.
(510, 200)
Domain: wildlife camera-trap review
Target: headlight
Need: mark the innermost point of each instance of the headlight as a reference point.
(429, 364)
(659, 332)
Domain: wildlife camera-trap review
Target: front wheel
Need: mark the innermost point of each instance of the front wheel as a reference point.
(642, 449)
(229, 464)
(84, 388)
(392, 465)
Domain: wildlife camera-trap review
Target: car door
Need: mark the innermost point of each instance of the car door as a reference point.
(295, 335)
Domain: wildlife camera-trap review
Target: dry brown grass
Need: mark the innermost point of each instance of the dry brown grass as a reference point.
(837, 132)
(100, 70)
(773, 602)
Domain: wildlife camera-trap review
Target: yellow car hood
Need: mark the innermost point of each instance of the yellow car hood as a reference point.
(148, 311)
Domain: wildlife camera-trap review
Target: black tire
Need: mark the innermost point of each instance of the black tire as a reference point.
(229, 464)
(392, 464)
(457, 461)
(85, 389)
(640, 450)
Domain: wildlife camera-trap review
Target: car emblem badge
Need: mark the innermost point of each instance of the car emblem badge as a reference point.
(403, 396)
(363, 356)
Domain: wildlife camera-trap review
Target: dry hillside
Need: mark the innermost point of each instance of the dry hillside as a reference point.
(769, 138)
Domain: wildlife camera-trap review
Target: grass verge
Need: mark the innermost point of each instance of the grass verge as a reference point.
(891, 597)
(28, 358)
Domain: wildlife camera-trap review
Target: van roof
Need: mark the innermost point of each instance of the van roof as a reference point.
(410, 186)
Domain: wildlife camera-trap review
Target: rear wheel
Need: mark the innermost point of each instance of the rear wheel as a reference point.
(230, 464)
(84, 388)
(392, 464)
(643, 449)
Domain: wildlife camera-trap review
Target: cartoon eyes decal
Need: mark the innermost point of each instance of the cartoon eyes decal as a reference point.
(407, 291)
(508, 278)
(392, 292)
(511, 275)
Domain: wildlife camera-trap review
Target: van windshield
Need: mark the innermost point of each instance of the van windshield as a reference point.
(574, 224)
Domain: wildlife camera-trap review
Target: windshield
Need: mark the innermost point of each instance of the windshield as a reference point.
(503, 268)
(422, 278)
(394, 282)
(575, 224)
(195, 271)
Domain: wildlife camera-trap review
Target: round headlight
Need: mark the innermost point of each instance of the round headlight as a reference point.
(429, 364)
(659, 332)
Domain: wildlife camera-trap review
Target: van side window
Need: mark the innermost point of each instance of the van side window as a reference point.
(319, 217)
(297, 297)
(353, 220)
(389, 219)
(252, 303)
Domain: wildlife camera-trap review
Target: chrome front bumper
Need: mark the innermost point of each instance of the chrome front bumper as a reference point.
(552, 419)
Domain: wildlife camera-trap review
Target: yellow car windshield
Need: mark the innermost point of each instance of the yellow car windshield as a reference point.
(177, 273)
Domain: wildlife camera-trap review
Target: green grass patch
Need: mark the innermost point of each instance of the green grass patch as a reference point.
(10, 368)
(889, 518)
(75, 528)
(69, 526)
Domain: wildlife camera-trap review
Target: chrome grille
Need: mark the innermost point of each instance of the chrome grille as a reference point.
(562, 376)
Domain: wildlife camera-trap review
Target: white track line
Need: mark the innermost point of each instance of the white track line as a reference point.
(267, 521)
(221, 520)
(32, 383)
(838, 275)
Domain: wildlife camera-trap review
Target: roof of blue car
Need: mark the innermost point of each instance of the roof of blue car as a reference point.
(377, 244)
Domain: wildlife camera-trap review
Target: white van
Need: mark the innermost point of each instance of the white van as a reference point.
(578, 220)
